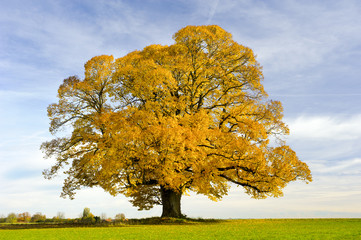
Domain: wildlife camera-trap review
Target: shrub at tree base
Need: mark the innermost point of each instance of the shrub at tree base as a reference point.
(160, 122)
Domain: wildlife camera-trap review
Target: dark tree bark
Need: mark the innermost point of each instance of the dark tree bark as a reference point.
(171, 201)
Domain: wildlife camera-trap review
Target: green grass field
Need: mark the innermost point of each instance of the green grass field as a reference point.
(232, 229)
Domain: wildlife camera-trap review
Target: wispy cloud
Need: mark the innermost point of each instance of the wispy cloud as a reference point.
(345, 167)
(213, 9)
(299, 44)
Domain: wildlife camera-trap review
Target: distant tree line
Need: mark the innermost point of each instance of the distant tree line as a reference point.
(86, 217)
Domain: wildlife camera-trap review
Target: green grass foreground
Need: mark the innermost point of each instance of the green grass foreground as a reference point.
(223, 229)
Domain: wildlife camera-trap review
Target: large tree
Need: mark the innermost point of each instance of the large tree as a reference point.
(160, 122)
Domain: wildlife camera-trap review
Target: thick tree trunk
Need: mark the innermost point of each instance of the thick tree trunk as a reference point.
(171, 201)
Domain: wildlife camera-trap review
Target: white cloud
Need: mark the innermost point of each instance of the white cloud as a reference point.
(329, 145)
(326, 127)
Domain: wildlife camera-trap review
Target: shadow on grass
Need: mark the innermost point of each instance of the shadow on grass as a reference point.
(167, 220)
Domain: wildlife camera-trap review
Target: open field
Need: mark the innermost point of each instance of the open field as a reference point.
(228, 229)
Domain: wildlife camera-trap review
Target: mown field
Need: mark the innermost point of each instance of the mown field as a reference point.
(230, 229)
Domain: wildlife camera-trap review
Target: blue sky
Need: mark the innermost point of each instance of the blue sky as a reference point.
(310, 52)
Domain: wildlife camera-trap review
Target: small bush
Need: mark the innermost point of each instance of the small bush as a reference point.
(88, 220)
(38, 218)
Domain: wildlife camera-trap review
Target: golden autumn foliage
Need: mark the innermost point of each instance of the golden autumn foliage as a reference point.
(192, 116)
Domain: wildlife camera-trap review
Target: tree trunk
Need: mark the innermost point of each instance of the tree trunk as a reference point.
(171, 201)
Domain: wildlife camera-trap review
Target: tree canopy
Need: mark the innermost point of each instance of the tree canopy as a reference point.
(159, 122)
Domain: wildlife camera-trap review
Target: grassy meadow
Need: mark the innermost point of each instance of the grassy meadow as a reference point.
(227, 229)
